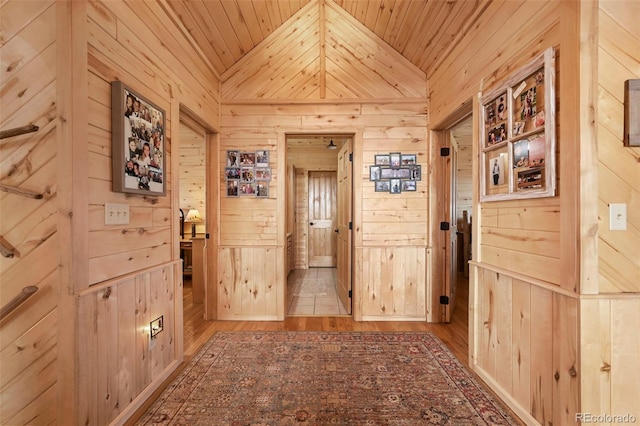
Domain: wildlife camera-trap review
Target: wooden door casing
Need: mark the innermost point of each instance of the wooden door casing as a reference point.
(322, 219)
(343, 219)
(452, 255)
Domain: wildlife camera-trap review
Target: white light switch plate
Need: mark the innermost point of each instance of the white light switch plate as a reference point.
(116, 214)
(618, 217)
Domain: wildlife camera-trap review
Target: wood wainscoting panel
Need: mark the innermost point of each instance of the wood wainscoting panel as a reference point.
(248, 284)
(392, 282)
(526, 334)
(610, 354)
(625, 356)
(118, 362)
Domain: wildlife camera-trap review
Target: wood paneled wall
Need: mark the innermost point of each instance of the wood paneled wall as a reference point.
(462, 136)
(523, 350)
(523, 301)
(542, 336)
(152, 221)
(250, 283)
(618, 166)
(610, 354)
(610, 342)
(329, 55)
(310, 153)
(192, 175)
(58, 60)
(120, 37)
(118, 359)
(300, 230)
(29, 342)
(252, 240)
(77, 353)
(395, 223)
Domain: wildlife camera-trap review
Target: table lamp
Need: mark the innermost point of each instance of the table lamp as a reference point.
(194, 217)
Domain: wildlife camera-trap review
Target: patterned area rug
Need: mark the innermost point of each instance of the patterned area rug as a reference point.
(320, 378)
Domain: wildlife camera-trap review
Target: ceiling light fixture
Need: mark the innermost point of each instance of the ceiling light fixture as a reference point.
(331, 145)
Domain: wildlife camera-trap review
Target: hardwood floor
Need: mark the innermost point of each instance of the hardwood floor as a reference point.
(197, 331)
(455, 334)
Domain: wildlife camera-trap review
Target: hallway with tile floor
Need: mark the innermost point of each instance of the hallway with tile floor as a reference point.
(313, 292)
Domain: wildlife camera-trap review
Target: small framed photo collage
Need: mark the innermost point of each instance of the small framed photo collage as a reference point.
(247, 173)
(395, 172)
(517, 134)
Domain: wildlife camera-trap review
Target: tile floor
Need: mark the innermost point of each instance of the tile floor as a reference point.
(313, 291)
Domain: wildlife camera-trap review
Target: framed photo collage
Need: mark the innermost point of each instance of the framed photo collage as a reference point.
(395, 172)
(247, 173)
(517, 134)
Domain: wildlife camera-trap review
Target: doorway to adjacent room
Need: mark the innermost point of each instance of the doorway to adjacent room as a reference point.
(453, 179)
(319, 206)
(195, 150)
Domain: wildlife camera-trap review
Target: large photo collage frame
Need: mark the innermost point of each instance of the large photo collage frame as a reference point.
(395, 172)
(138, 142)
(517, 134)
(247, 173)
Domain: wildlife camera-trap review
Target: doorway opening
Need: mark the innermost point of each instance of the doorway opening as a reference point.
(197, 208)
(460, 138)
(319, 210)
(452, 146)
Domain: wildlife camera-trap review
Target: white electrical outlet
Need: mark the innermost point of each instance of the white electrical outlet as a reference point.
(116, 214)
(618, 217)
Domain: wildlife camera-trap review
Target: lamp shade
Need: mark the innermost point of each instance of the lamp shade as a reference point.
(193, 216)
(332, 145)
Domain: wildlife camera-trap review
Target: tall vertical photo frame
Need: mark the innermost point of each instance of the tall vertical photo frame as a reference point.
(518, 134)
(138, 143)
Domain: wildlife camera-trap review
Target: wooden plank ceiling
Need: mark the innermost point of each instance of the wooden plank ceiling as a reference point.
(421, 30)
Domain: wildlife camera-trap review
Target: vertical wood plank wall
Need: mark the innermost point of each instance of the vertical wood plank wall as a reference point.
(259, 108)
(301, 230)
(118, 361)
(192, 175)
(610, 355)
(523, 305)
(126, 275)
(547, 349)
(391, 232)
(543, 345)
(464, 172)
(392, 229)
(120, 37)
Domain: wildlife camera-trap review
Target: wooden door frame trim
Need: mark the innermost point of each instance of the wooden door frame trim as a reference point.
(439, 138)
(356, 133)
(212, 202)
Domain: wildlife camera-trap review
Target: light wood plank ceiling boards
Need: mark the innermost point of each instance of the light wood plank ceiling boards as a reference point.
(421, 30)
